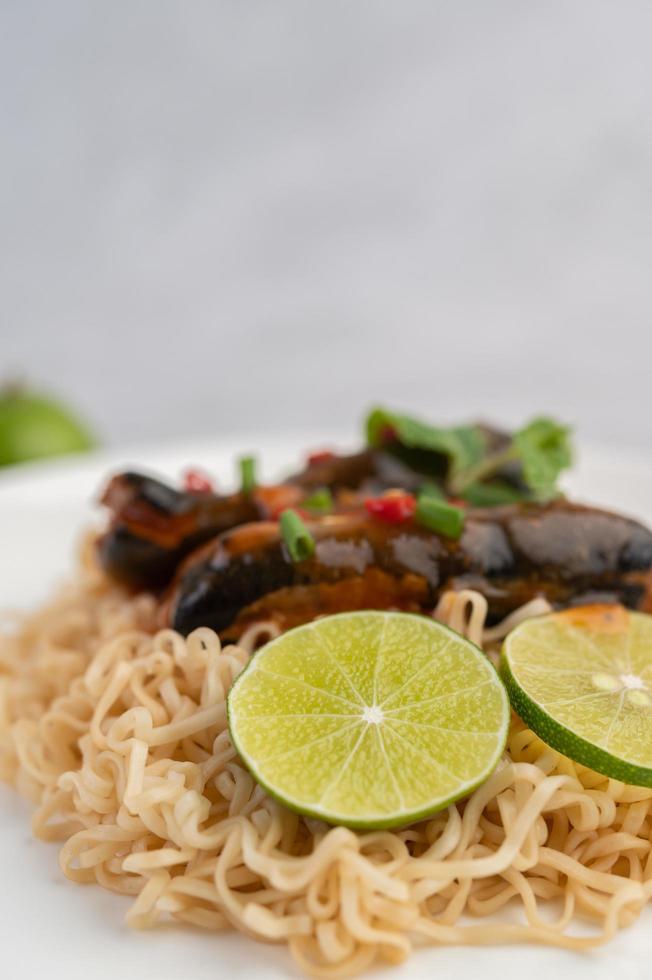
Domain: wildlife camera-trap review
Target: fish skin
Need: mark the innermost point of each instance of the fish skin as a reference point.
(562, 551)
(153, 526)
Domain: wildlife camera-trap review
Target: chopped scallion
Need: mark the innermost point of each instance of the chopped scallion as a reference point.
(429, 489)
(321, 502)
(493, 494)
(439, 516)
(247, 474)
(298, 539)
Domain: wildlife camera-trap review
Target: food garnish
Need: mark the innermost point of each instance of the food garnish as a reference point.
(247, 466)
(296, 536)
(582, 680)
(320, 456)
(462, 445)
(194, 481)
(369, 719)
(319, 502)
(541, 449)
(492, 494)
(439, 516)
(429, 510)
(393, 507)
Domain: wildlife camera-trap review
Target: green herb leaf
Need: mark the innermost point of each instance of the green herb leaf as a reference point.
(247, 474)
(458, 456)
(544, 449)
(429, 489)
(462, 445)
(494, 494)
(298, 539)
(320, 502)
(439, 516)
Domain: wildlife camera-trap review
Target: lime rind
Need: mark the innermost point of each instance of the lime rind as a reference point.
(33, 426)
(601, 723)
(400, 768)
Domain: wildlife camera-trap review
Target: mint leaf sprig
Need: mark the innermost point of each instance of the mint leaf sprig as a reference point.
(543, 449)
(460, 458)
(461, 446)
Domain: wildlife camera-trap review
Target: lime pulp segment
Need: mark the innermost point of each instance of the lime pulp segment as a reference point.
(582, 680)
(369, 719)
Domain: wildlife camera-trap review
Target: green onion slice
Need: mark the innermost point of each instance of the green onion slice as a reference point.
(298, 539)
(247, 474)
(321, 502)
(439, 516)
(493, 494)
(430, 489)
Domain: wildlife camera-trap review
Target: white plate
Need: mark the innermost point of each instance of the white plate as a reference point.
(51, 927)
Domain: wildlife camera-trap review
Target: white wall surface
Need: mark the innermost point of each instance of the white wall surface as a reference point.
(227, 216)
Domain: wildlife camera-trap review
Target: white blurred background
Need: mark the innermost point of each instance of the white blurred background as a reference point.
(222, 217)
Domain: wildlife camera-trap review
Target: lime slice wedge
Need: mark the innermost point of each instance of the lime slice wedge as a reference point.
(582, 680)
(369, 719)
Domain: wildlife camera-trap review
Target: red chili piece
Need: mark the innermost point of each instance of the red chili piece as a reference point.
(388, 434)
(196, 482)
(393, 508)
(320, 456)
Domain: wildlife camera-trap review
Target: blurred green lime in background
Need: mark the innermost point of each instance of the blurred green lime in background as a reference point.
(34, 426)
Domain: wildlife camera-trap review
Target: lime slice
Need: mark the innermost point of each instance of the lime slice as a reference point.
(582, 680)
(369, 719)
